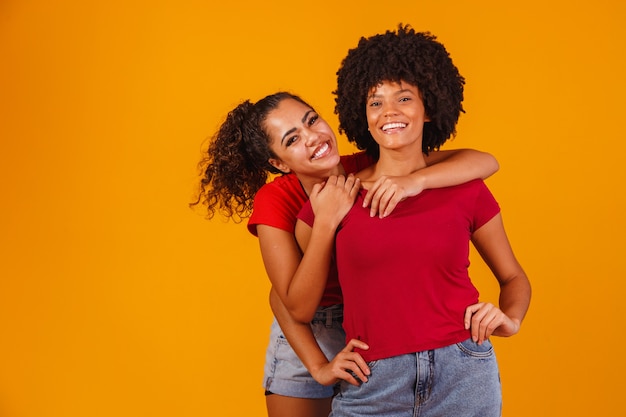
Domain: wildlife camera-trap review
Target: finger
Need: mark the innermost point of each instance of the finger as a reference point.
(349, 182)
(371, 193)
(357, 364)
(354, 344)
(480, 322)
(385, 200)
(478, 312)
(317, 188)
(477, 318)
(347, 376)
(355, 188)
(377, 199)
(361, 364)
(355, 371)
(467, 319)
(393, 202)
(491, 322)
(469, 312)
(353, 363)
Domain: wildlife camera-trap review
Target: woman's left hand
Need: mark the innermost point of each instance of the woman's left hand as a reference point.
(485, 319)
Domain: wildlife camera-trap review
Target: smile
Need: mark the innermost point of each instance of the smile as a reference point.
(395, 125)
(321, 151)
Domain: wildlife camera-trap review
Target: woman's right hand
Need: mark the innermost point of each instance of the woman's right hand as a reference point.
(333, 199)
(345, 365)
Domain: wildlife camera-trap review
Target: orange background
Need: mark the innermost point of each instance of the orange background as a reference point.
(117, 300)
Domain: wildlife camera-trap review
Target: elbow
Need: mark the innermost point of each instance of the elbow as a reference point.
(301, 315)
(490, 165)
(493, 164)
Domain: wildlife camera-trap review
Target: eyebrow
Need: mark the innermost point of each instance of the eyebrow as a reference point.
(293, 129)
(401, 91)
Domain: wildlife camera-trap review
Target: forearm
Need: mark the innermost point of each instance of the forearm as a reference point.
(299, 335)
(448, 168)
(515, 296)
(285, 264)
(306, 289)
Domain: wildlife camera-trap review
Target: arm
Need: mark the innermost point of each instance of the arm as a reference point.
(444, 169)
(302, 341)
(485, 319)
(299, 281)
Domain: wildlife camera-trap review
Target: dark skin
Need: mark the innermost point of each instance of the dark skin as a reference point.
(293, 278)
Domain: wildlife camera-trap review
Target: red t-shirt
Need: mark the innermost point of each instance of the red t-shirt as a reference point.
(277, 204)
(405, 278)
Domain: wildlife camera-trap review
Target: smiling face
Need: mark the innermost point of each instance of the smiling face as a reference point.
(396, 115)
(301, 140)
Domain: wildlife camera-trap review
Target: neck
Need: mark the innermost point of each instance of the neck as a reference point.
(309, 181)
(399, 162)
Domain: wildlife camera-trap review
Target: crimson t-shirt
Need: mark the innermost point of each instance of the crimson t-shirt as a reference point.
(405, 278)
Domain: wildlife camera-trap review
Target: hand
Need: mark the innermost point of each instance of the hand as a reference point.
(333, 199)
(485, 319)
(388, 191)
(341, 365)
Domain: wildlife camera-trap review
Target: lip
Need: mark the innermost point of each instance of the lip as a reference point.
(322, 150)
(391, 127)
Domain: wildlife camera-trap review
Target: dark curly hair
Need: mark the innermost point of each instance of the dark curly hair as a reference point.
(236, 165)
(409, 56)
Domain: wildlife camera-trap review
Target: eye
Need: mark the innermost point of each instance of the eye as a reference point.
(313, 119)
(290, 141)
(405, 99)
(374, 103)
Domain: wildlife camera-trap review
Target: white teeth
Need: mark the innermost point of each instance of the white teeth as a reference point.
(393, 126)
(320, 151)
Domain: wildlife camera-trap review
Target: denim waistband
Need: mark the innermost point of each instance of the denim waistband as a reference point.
(329, 314)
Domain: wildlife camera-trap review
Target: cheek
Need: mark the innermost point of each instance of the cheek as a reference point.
(371, 119)
(293, 156)
(327, 130)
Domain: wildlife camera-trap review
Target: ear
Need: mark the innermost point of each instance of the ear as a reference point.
(279, 165)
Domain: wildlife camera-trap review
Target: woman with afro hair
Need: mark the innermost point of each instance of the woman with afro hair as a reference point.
(404, 278)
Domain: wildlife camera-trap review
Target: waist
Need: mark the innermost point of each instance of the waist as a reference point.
(329, 314)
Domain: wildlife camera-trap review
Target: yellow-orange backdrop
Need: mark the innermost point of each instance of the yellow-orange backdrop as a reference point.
(117, 300)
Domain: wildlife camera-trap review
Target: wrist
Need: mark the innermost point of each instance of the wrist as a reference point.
(419, 183)
(325, 225)
(315, 368)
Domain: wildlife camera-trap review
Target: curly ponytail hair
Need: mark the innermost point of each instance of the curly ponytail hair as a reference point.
(236, 164)
(409, 56)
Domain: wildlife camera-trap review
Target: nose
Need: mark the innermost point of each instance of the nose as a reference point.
(311, 137)
(389, 110)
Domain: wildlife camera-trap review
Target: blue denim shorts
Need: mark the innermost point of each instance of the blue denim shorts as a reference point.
(460, 380)
(284, 372)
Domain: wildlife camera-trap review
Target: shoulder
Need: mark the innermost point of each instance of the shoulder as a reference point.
(356, 162)
(277, 203)
(282, 187)
(472, 186)
(467, 194)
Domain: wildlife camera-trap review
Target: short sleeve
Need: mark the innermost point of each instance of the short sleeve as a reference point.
(277, 204)
(486, 206)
